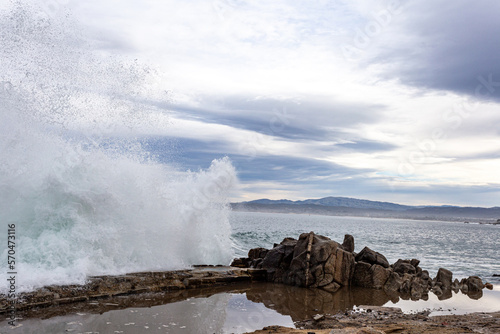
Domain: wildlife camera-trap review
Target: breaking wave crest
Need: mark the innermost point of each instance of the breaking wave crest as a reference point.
(85, 197)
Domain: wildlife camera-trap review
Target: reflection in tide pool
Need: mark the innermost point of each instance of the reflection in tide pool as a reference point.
(458, 304)
(226, 312)
(233, 309)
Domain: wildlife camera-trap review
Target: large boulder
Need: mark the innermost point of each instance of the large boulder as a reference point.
(393, 283)
(418, 288)
(472, 287)
(348, 244)
(444, 277)
(342, 266)
(372, 276)
(404, 267)
(319, 262)
(475, 284)
(257, 253)
(277, 260)
(369, 256)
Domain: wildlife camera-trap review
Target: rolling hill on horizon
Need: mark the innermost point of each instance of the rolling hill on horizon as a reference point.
(345, 206)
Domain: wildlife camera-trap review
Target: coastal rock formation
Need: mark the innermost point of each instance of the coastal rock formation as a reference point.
(369, 256)
(316, 261)
(311, 261)
(370, 275)
(348, 244)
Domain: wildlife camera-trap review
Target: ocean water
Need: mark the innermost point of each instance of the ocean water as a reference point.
(465, 249)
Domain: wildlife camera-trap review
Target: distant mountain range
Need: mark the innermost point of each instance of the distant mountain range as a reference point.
(344, 206)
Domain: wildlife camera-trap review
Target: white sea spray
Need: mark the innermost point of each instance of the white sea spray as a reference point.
(85, 197)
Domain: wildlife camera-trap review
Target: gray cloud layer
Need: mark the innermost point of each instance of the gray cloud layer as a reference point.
(446, 45)
(272, 75)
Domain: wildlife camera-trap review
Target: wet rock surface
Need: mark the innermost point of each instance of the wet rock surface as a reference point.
(382, 320)
(315, 261)
(99, 287)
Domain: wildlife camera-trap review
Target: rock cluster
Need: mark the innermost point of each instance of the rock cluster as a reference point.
(315, 261)
(311, 261)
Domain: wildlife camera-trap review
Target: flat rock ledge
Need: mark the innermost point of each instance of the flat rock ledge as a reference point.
(385, 320)
(316, 261)
(110, 286)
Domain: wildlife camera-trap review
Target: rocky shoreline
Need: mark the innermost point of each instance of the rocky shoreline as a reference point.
(315, 261)
(315, 264)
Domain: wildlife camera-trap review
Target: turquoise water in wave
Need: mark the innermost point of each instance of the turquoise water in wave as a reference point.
(465, 249)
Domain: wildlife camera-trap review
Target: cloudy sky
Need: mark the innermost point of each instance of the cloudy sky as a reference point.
(383, 100)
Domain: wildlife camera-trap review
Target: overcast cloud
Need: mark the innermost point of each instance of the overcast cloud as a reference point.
(446, 45)
(383, 100)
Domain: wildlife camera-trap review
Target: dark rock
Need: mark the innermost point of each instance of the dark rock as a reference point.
(417, 288)
(372, 276)
(362, 275)
(393, 283)
(273, 258)
(475, 284)
(447, 294)
(476, 295)
(342, 265)
(437, 290)
(257, 253)
(322, 248)
(369, 256)
(444, 276)
(405, 288)
(464, 287)
(257, 263)
(404, 267)
(425, 275)
(414, 262)
(319, 261)
(242, 262)
(348, 244)
(380, 276)
(488, 286)
(289, 242)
